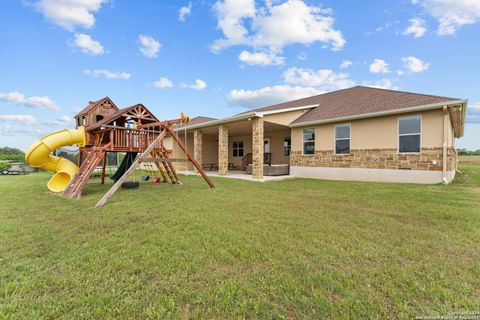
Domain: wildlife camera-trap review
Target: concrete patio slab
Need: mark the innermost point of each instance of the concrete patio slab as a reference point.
(238, 174)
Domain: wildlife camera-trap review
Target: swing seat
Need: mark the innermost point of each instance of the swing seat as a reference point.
(145, 178)
(130, 185)
(155, 179)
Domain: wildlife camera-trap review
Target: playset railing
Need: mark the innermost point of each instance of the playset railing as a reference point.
(130, 139)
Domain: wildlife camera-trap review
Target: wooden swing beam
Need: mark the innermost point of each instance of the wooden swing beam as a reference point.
(195, 162)
(146, 156)
(130, 170)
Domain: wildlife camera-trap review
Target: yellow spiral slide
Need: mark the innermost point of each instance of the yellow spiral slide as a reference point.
(39, 155)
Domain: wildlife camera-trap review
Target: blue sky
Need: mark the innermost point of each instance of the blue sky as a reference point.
(217, 58)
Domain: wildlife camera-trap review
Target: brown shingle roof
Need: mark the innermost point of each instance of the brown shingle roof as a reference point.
(92, 104)
(200, 119)
(116, 115)
(195, 121)
(357, 101)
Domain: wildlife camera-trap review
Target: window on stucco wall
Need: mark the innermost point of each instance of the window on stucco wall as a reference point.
(409, 134)
(342, 139)
(309, 141)
(237, 148)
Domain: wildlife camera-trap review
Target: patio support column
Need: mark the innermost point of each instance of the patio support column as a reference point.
(222, 150)
(257, 148)
(197, 146)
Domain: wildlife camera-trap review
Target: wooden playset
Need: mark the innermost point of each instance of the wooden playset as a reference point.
(106, 129)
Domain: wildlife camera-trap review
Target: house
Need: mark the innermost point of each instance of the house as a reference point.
(359, 133)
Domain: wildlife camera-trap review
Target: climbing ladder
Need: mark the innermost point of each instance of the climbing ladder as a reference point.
(171, 172)
(75, 187)
(160, 167)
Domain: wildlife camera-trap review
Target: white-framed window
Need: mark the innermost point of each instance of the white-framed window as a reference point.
(309, 141)
(409, 134)
(342, 138)
(237, 148)
(287, 146)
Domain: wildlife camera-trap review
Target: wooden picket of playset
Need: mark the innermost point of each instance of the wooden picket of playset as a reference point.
(102, 128)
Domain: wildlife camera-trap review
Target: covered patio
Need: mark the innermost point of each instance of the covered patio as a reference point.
(250, 148)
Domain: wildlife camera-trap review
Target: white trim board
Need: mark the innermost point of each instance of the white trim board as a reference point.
(244, 116)
(380, 113)
(371, 175)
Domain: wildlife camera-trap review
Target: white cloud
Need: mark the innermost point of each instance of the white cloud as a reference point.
(107, 74)
(18, 98)
(452, 14)
(302, 56)
(275, 25)
(261, 58)
(70, 13)
(416, 28)
(184, 11)
(87, 45)
(473, 113)
(382, 28)
(379, 66)
(231, 15)
(299, 83)
(16, 124)
(198, 85)
(269, 95)
(63, 120)
(415, 65)
(163, 83)
(345, 64)
(325, 79)
(149, 47)
(381, 84)
(19, 119)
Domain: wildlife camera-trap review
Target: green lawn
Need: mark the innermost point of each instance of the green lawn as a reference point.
(291, 249)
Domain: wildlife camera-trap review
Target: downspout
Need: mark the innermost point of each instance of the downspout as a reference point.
(445, 144)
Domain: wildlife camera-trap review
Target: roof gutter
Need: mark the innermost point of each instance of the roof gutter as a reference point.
(381, 113)
(244, 116)
(462, 120)
(309, 106)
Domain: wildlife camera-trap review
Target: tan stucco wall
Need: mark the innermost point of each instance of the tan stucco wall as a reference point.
(376, 133)
(178, 153)
(247, 148)
(284, 118)
(168, 142)
(276, 146)
(210, 149)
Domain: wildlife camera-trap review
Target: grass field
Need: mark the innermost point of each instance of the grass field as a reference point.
(291, 249)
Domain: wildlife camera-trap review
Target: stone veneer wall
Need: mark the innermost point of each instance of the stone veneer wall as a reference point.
(222, 150)
(377, 159)
(197, 146)
(257, 148)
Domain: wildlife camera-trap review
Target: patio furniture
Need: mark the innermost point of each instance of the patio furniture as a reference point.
(247, 159)
(272, 170)
(210, 166)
